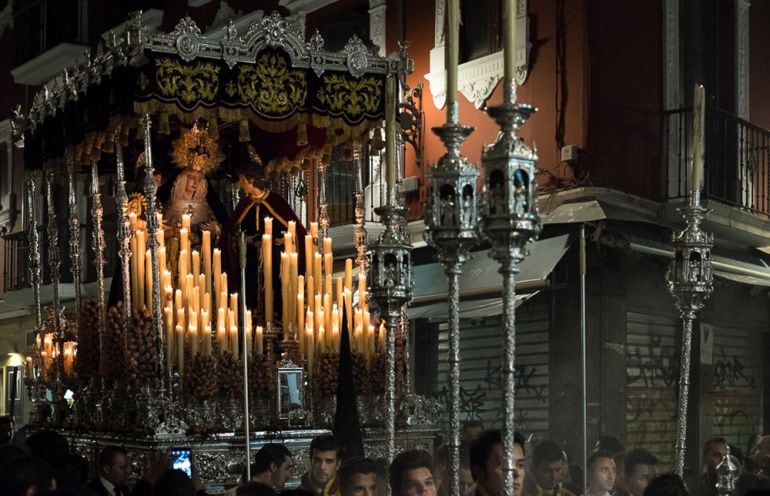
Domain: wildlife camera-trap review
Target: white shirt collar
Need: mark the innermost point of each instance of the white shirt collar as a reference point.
(109, 486)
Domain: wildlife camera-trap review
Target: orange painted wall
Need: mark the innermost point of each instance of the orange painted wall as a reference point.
(759, 76)
(539, 90)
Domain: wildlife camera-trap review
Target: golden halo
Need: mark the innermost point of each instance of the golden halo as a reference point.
(197, 149)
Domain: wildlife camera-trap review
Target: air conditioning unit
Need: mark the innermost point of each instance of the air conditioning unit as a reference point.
(410, 184)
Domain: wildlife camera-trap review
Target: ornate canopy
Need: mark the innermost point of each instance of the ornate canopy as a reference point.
(270, 80)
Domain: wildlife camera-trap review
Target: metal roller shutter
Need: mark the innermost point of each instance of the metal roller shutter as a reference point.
(652, 373)
(480, 380)
(736, 397)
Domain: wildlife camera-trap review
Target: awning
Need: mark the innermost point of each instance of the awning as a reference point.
(742, 268)
(481, 278)
(487, 307)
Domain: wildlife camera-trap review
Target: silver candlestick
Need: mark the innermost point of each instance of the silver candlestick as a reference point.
(99, 245)
(54, 265)
(152, 230)
(75, 255)
(124, 231)
(34, 249)
(453, 231)
(509, 220)
(691, 282)
(391, 287)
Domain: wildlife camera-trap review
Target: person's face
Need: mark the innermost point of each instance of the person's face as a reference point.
(639, 479)
(715, 454)
(282, 473)
(117, 473)
(466, 482)
(563, 475)
(361, 485)
(471, 433)
(547, 473)
(493, 477)
(418, 482)
(602, 476)
(323, 465)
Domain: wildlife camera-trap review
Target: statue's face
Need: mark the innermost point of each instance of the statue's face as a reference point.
(192, 183)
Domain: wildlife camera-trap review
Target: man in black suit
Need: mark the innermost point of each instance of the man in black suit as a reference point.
(114, 471)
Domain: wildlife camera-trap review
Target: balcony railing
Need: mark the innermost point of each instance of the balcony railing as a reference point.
(16, 264)
(737, 159)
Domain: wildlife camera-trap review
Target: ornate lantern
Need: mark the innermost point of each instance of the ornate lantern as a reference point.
(691, 282)
(391, 283)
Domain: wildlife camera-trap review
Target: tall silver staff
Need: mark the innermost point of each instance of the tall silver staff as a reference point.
(152, 243)
(509, 218)
(390, 278)
(689, 278)
(452, 227)
(245, 351)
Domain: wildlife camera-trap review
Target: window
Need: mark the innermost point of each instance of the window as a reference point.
(480, 29)
(42, 24)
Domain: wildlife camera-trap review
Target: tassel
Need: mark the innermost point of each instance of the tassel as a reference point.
(243, 131)
(214, 128)
(378, 143)
(302, 134)
(163, 127)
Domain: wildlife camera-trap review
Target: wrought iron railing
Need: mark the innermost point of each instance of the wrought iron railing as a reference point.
(737, 159)
(17, 256)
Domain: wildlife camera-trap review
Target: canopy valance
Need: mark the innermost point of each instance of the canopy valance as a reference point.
(269, 80)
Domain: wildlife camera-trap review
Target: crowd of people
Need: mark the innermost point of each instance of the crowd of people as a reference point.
(44, 464)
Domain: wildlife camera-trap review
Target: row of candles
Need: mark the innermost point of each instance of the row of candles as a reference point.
(198, 310)
(49, 353)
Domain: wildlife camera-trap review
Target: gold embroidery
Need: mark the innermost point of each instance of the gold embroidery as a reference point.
(351, 96)
(143, 81)
(271, 86)
(231, 89)
(188, 83)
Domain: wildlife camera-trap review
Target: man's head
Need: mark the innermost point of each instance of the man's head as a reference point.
(411, 474)
(113, 465)
(272, 465)
(25, 475)
(601, 472)
(547, 464)
(714, 451)
(486, 459)
(467, 485)
(760, 453)
(471, 430)
(324, 459)
(6, 429)
(358, 477)
(608, 442)
(666, 485)
(640, 469)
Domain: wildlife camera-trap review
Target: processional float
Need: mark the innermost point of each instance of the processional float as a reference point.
(166, 360)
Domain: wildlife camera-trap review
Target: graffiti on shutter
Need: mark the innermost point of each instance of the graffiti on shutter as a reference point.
(480, 371)
(736, 395)
(652, 373)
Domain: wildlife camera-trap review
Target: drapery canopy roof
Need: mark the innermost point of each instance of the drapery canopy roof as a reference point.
(268, 80)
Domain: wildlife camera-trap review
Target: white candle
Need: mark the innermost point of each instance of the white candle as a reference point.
(698, 129)
(509, 38)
